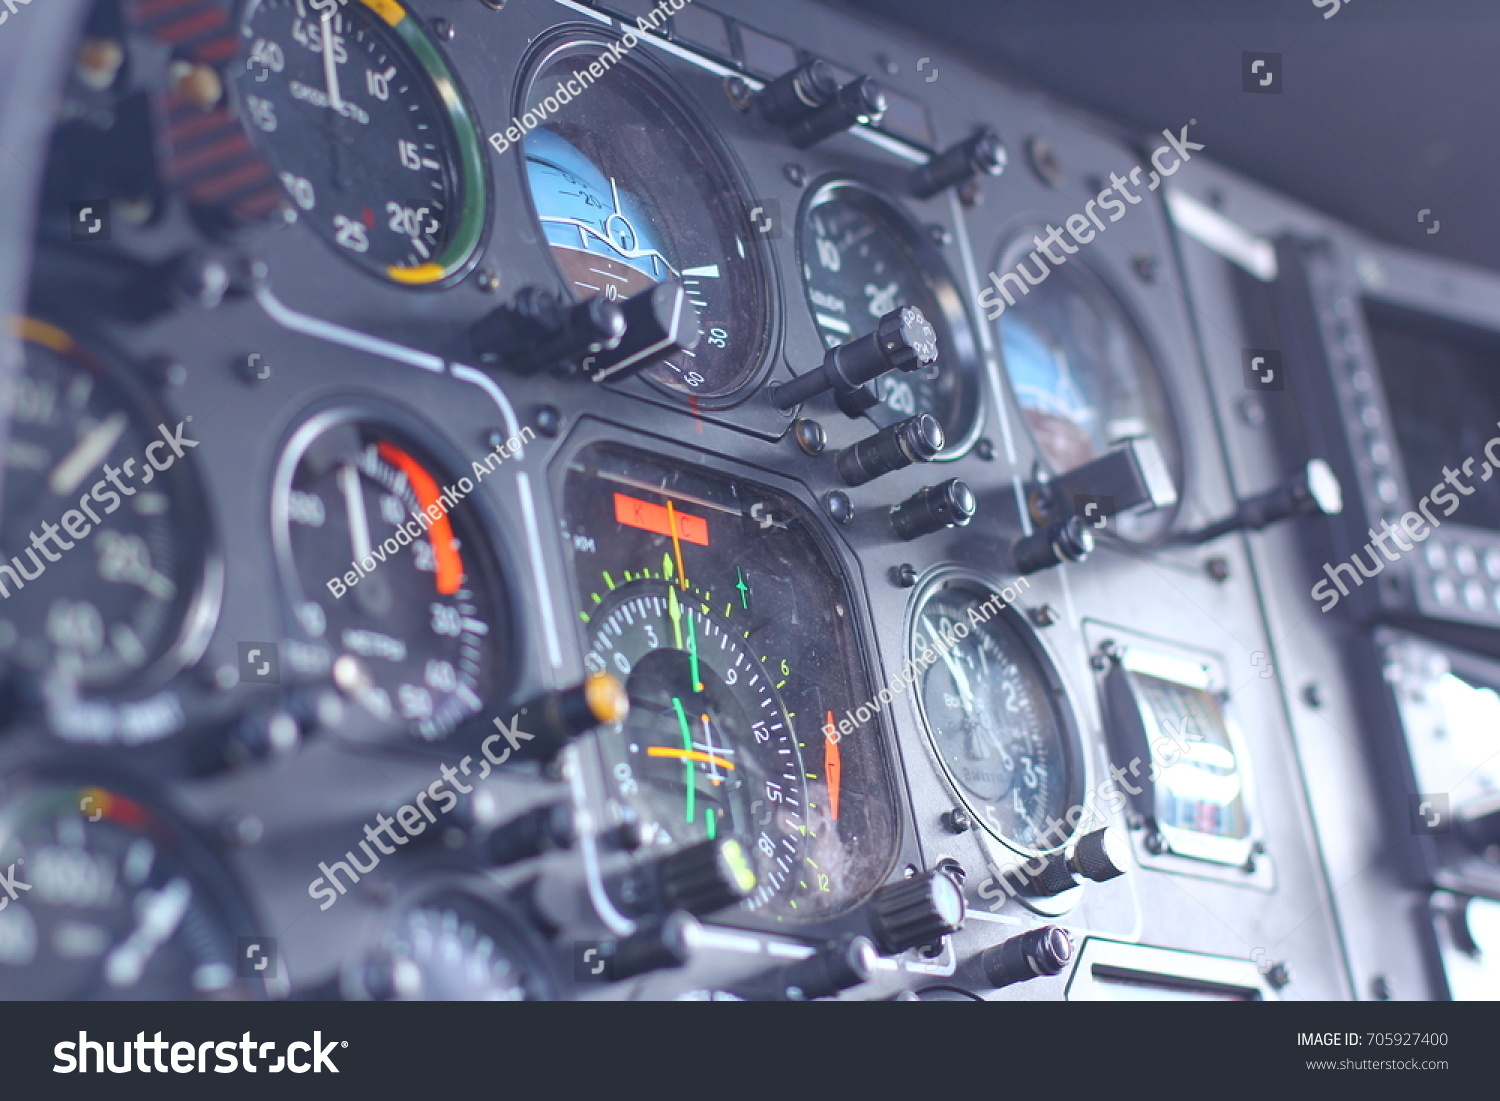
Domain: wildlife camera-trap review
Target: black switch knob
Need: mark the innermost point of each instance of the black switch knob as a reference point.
(794, 95)
(837, 966)
(540, 331)
(903, 341)
(700, 879)
(859, 101)
(983, 153)
(948, 504)
(656, 946)
(659, 322)
(917, 439)
(1315, 491)
(916, 911)
(542, 726)
(531, 834)
(1099, 856)
(1043, 951)
(1067, 540)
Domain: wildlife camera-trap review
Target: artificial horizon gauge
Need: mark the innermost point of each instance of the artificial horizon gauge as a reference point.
(414, 630)
(997, 715)
(368, 131)
(630, 191)
(716, 603)
(1083, 375)
(100, 549)
(449, 944)
(124, 903)
(861, 258)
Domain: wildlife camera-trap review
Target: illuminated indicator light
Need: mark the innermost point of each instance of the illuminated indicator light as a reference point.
(636, 513)
(388, 10)
(422, 273)
(450, 567)
(833, 765)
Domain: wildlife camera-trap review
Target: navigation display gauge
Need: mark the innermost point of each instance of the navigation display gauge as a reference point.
(104, 530)
(1084, 377)
(366, 128)
(996, 713)
(630, 191)
(716, 603)
(389, 578)
(861, 258)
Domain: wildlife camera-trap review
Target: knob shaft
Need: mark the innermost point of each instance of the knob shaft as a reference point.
(796, 94)
(860, 101)
(903, 341)
(837, 966)
(1315, 491)
(545, 724)
(1101, 855)
(983, 153)
(916, 911)
(655, 947)
(915, 440)
(530, 834)
(1042, 951)
(859, 401)
(540, 331)
(1066, 540)
(659, 322)
(949, 504)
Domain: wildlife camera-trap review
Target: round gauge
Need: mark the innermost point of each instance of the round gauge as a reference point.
(388, 576)
(112, 901)
(104, 573)
(708, 742)
(995, 711)
(862, 258)
(451, 946)
(1083, 376)
(718, 603)
(630, 191)
(364, 123)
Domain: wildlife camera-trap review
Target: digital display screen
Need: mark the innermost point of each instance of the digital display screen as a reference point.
(1442, 382)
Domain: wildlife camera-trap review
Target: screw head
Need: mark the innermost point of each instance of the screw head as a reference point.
(487, 280)
(1380, 986)
(984, 449)
(1312, 695)
(1044, 160)
(549, 421)
(1044, 616)
(739, 93)
(957, 820)
(904, 576)
(1252, 412)
(1217, 568)
(810, 435)
(443, 29)
(1155, 843)
(796, 175)
(838, 506)
(1279, 975)
(941, 235)
(1145, 268)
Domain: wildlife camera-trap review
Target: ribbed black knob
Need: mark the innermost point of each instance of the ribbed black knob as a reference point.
(860, 101)
(834, 967)
(983, 153)
(655, 947)
(1043, 951)
(541, 727)
(659, 322)
(916, 911)
(949, 504)
(705, 877)
(530, 834)
(541, 331)
(915, 440)
(1067, 540)
(1101, 855)
(794, 95)
(859, 401)
(903, 341)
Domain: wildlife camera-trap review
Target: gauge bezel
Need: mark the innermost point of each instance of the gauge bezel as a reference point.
(204, 575)
(432, 448)
(933, 269)
(467, 154)
(1064, 705)
(1015, 245)
(717, 158)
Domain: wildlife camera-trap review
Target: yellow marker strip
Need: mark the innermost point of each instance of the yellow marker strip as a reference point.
(388, 10)
(688, 755)
(422, 273)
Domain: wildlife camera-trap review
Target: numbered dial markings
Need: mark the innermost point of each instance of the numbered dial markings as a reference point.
(360, 118)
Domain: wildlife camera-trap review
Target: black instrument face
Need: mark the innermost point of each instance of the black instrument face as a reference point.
(861, 258)
(715, 602)
(362, 120)
(1084, 378)
(103, 548)
(123, 903)
(412, 629)
(996, 714)
(630, 191)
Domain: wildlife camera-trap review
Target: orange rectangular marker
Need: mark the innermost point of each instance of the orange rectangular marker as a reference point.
(636, 513)
(833, 766)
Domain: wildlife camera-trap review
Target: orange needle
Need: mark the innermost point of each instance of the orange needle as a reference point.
(450, 567)
(832, 765)
(688, 755)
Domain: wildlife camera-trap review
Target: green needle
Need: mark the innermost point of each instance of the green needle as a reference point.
(743, 588)
(687, 764)
(713, 822)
